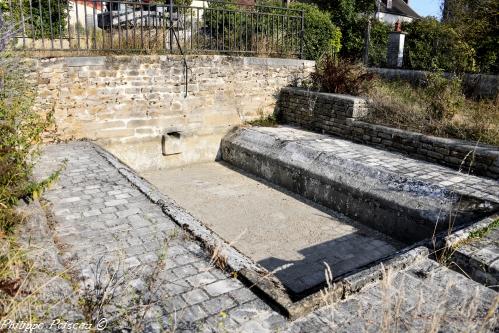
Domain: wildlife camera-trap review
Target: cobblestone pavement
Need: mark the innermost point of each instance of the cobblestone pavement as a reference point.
(98, 217)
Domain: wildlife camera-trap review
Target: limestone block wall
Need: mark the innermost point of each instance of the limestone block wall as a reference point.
(320, 112)
(340, 115)
(127, 103)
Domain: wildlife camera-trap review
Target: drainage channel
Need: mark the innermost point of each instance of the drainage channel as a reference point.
(282, 232)
(274, 206)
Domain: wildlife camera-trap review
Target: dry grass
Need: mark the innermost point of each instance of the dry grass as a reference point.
(401, 303)
(440, 113)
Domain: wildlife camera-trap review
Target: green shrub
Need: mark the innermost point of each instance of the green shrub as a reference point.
(321, 35)
(265, 32)
(444, 96)
(431, 45)
(258, 29)
(351, 17)
(46, 18)
(264, 121)
(184, 3)
(378, 45)
(21, 130)
(476, 23)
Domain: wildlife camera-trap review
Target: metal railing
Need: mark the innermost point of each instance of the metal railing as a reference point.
(156, 27)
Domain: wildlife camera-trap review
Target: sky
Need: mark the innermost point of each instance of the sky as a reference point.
(426, 7)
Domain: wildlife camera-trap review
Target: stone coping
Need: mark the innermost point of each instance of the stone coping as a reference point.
(78, 61)
(327, 96)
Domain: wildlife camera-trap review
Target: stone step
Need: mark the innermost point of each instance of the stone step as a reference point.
(474, 251)
(405, 198)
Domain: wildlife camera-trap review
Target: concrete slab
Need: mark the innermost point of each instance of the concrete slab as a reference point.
(281, 231)
(402, 197)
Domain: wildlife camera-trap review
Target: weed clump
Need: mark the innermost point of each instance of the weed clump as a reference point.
(437, 107)
(265, 121)
(340, 76)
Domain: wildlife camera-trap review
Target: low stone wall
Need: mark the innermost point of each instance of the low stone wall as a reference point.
(127, 103)
(339, 115)
(475, 85)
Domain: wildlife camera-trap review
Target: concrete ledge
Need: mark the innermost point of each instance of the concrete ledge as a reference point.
(459, 236)
(327, 96)
(278, 62)
(319, 168)
(342, 287)
(478, 258)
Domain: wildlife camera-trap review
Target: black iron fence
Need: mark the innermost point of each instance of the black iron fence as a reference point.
(156, 26)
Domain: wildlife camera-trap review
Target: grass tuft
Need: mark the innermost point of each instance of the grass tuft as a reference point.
(478, 234)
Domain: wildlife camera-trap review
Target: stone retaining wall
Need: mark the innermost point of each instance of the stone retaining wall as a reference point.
(339, 115)
(127, 103)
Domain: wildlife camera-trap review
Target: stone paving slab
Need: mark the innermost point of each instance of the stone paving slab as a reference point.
(424, 298)
(191, 295)
(98, 215)
(282, 232)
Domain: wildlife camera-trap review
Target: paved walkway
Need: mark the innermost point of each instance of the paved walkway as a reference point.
(100, 220)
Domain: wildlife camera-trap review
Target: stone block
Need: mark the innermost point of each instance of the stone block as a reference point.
(115, 133)
(85, 61)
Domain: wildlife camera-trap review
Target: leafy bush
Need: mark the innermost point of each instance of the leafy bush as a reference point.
(340, 76)
(21, 130)
(351, 17)
(476, 23)
(321, 35)
(183, 3)
(438, 107)
(43, 18)
(431, 45)
(251, 28)
(379, 43)
(265, 32)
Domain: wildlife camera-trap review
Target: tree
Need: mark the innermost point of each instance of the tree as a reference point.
(351, 17)
(41, 18)
(477, 23)
(321, 35)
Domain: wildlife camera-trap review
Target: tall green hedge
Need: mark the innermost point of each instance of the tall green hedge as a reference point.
(379, 43)
(321, 35)
(432, 45)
